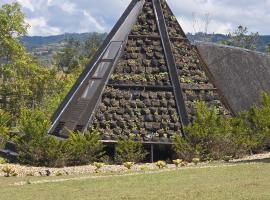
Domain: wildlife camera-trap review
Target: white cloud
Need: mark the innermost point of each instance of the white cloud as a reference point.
(92, 20)
(226, 15)
(39, 26)
(69, 7)
(27, 4)
(101, 15)
(50, 2)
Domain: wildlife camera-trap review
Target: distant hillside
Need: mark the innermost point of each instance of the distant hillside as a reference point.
(44, 48)
(32, 42)
(263, 42)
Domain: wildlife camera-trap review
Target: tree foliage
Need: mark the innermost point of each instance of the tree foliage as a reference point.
(77, 54)
(36, 147)
(5, 119)
(242, 38)
(129, 151)
(268, 48)
(214, 136)
(23, 82)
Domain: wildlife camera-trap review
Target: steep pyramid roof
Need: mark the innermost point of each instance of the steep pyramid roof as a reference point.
(144, 80)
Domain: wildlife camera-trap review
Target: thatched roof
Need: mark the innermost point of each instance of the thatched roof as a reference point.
(240, 74)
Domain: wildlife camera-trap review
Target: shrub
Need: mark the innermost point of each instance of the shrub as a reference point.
(98, 166)
(210, 134)
(252, 128)
(5, 120)
(9, 171)
(3, 160)
(196, 160)
(161, 164)
(84, 149)
(36, 147)
(129, 151)
(182, 148)
(128, 165)
(215, 136)
(59, 173)
(177, 162)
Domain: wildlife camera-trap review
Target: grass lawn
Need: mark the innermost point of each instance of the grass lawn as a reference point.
(242, 181)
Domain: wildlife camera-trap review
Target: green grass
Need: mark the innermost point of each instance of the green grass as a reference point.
(242, 181)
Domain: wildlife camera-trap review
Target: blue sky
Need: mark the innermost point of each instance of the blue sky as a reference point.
(51, 17)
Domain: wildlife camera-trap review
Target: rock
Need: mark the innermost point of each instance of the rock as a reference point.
(168, 95)
(133, 104)
(102, 108)
(152, 95)
(144, 95)
(171, 111)
(171, 125)
(99, 117)
(136, 95)
(127, 95)
(149, 55)
(158, 55)
(123, 102)
(163, 110)
(140, 104)
(108, 116)
(148, 126)
(153, 110)
(107, 101)
(117, 131)
(163, 68)
(113, 124)
(161, 95)
(163, 103)
(155, 103)
(148, 118)
(146, 62)
(171, 103)
(156, 126)
(126, 117)
(47, 172)
(115, 103)
(120, 111)
(147, 102)
(157, 118)
(154, 62)
(139, 42)
(149, 70)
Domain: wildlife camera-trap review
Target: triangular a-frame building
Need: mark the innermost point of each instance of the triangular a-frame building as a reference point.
(144, 80)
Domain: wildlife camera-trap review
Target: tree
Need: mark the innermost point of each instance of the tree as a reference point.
(268, 48)
(23, 81)
(77, 54)
(242, 38)
(69, 60)
(5, 119)
(91, 45)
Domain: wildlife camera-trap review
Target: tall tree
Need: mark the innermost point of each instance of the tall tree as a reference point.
(268, 48)
(242, 38)
(23, 82)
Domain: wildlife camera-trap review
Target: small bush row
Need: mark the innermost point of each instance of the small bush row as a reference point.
(210, 137)
(35, 147)
(214, 137)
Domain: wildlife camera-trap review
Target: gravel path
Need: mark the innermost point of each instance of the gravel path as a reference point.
(124, 174)
(23, 171)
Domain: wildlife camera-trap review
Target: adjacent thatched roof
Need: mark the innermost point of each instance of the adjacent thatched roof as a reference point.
(240, 74)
